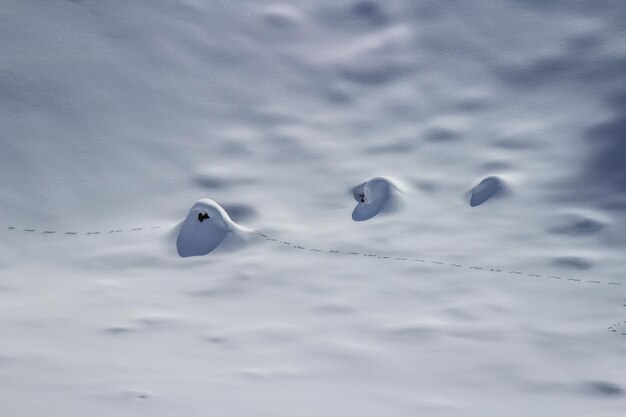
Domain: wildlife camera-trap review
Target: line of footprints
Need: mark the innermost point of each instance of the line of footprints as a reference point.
(619, 327)
(452, 265)
(333, 251)
(53, 232)
(207, 224)
(615, 328)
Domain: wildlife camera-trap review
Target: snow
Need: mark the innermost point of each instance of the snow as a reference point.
(373, 196)
(206, 227)
(486, 189)
(117, 116)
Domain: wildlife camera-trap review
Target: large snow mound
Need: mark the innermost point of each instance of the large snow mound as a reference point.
(206, 226)
(376, 195)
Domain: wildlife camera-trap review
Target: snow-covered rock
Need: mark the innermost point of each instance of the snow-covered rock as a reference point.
(486, 189)
(378, 194)
(206, 227)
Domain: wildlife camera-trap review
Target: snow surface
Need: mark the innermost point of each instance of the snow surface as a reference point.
(117, 115)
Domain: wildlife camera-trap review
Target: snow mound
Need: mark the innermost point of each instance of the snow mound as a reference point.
(486, 189)
(206, 227)
(579, 225)
(376, 195)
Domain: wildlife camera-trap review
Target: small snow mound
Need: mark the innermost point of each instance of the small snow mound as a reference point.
(579, 225)
(487, 188)
(573, 262)
(373, 196)
(206, 227)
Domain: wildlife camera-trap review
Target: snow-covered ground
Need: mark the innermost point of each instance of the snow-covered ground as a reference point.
(119, 115)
